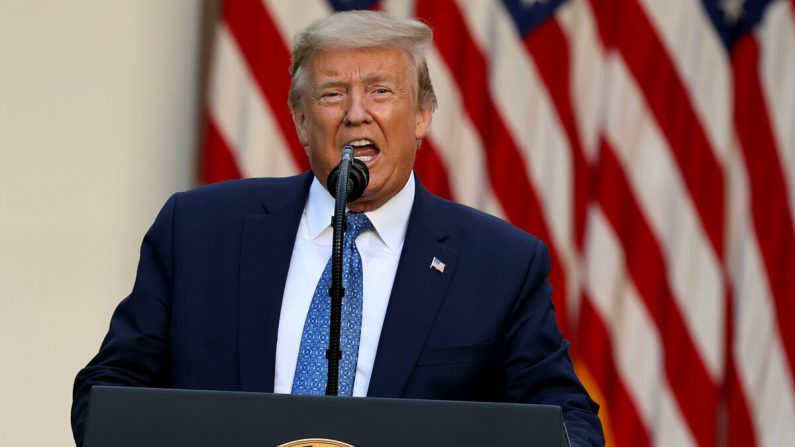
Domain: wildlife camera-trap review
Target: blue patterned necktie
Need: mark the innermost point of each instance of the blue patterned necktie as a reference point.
(311, 370)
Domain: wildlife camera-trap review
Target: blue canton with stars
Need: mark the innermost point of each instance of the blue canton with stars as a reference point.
(734, 18)
(348, 5)
(527, 15)
(311, 370)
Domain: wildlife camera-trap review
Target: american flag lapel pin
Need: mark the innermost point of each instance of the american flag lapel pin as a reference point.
(437, 265)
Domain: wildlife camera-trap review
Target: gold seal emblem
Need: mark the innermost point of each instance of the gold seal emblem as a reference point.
(315, 442)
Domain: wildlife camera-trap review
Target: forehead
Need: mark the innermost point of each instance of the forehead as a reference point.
(355, 63)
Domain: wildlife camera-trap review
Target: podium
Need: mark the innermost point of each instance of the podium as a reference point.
(132, 417)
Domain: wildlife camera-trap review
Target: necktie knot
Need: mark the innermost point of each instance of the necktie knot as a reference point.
(357, 224)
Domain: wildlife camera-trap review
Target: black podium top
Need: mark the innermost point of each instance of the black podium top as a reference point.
(123, 416)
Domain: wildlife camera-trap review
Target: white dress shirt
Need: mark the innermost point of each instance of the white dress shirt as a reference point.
(380, 251)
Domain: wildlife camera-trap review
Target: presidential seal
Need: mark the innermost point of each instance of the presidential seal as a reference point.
(315, 442)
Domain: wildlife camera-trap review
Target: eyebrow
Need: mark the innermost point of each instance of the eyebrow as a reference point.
(377, 77)
(329, 84)
(369, 79)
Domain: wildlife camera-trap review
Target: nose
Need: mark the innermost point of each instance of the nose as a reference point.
(358, 112)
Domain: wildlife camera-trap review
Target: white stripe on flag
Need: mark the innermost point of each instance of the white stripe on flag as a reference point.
(400, 8)
(776, 39)
(588, 73)
(292, 16)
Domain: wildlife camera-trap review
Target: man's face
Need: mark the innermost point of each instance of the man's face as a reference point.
(365, 98)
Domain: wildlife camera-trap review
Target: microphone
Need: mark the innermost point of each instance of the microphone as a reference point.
(346, 183)
(358, 179)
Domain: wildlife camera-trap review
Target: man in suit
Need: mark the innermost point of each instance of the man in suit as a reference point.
(456, 303)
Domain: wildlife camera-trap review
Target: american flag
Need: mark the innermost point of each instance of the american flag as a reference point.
(438, 265)
(650, 143)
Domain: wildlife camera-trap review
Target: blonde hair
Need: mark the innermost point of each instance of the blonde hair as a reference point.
(363, 29)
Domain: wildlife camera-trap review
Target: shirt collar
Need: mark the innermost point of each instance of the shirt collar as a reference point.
(390, 220)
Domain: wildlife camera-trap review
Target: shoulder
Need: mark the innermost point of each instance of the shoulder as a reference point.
(240, 196)
(219, 206)
(483, 242)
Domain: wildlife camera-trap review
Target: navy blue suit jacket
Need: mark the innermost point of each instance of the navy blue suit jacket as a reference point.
(204, 310)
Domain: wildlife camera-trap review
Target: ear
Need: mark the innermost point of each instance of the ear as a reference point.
(299, 119)
(423, 122)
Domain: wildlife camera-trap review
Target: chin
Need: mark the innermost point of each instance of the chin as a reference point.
(364, 203)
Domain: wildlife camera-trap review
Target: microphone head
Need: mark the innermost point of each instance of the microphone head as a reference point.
(358, 179)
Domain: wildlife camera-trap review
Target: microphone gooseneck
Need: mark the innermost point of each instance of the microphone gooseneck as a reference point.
(346, 183)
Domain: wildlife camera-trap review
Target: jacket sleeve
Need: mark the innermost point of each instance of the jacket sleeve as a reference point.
(135, 349)
(537, 367)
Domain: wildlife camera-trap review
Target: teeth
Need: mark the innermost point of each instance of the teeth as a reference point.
(364, 158)
(360, 143)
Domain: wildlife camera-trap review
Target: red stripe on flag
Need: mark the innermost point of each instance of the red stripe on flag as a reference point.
(507, 173)
(768, 191)
(549, 47)
(623, 25)
(740, 431)
(690, 382)
(266, 56)
(218, 163)
(431, 171)
(737, 427)
(595, 348)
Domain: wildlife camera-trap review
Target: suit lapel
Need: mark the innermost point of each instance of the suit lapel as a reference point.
(266, 250)
(417, 292)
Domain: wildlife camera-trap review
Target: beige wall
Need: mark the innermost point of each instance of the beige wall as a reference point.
(98, 112)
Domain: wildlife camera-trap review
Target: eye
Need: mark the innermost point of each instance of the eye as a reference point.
(330, 97)
(381, 91)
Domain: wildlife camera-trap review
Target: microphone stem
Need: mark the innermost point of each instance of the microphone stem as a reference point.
(336, 292)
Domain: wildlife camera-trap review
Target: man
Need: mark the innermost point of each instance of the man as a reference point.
(456, 304)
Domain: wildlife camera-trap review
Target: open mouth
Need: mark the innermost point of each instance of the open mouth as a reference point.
(364, 150)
